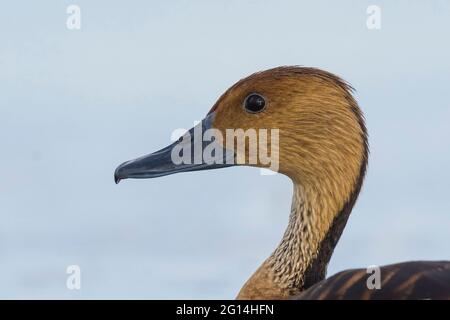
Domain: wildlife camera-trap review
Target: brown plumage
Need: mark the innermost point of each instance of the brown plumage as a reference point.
(408, 280)
(323, 148)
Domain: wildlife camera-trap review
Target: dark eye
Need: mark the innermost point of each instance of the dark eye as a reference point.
(254, 103)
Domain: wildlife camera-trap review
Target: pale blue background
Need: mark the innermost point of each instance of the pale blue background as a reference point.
(75, 104)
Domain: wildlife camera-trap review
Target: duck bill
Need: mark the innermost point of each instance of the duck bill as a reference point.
(190, 153)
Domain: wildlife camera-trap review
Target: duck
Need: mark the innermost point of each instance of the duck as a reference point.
(322, 146)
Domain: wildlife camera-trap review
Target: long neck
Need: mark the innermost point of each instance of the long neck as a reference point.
(302, 257)
(323, 199)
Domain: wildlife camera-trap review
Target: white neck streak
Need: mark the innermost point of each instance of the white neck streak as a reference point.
(301, 242)
(302, 257)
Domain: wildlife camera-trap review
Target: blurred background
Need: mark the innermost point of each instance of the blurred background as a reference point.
(76, 103)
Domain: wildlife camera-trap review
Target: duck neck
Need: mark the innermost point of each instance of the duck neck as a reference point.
(302, 256)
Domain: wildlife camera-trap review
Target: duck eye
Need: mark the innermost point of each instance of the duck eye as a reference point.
(254, 103)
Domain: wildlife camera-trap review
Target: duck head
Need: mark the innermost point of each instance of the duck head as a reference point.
(309, 122)
(313, 132)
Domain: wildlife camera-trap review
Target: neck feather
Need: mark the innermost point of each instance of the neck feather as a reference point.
(298, 261)
(302, 257)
